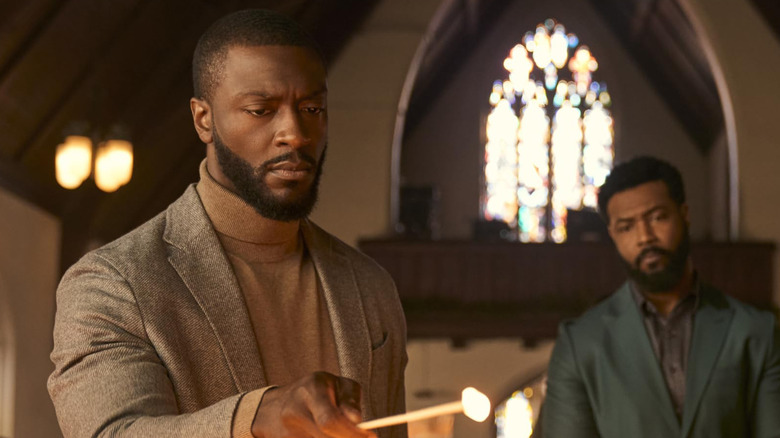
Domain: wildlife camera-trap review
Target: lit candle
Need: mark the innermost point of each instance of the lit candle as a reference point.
(472, 403)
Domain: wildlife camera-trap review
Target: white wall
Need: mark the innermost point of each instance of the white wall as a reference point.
(364, 87)
(745, 53)
(29, 270)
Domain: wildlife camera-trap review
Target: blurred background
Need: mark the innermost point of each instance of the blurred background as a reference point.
(467, 138)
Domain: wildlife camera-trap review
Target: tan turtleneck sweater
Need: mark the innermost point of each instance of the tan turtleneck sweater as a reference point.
(281, 291)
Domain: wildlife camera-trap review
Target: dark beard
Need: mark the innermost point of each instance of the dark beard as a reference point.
(250, 185)
(668, 277)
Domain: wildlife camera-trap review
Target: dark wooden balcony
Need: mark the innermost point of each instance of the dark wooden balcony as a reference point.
(464, 290)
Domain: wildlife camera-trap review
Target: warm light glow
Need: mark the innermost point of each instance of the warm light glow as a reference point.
(73, 161)
(113, 165)
(519, 417)
(476, 405)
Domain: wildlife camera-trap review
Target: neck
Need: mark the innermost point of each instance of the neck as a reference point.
(666, 301)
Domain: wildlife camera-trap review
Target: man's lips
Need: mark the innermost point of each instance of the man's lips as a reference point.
(650, 257)
(291, 170)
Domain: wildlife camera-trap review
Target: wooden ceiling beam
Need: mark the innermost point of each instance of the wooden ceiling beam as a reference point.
(58, 59)
(20, 24)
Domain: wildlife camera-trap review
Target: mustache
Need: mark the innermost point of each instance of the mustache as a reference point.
(651, 250)
(293, 156)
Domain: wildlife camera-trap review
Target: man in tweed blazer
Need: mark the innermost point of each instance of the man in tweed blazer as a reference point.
(230, 314)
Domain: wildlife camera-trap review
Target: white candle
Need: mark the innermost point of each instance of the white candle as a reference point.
(472, 403)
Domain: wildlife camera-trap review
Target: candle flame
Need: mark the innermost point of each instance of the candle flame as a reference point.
(476, 405)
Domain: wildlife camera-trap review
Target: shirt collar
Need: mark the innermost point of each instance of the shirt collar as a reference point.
(648, 308)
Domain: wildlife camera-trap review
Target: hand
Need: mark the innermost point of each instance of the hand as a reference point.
(320, 405)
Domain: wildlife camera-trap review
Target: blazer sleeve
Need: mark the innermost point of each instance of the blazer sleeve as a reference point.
(566, 411)
(108, 379)
(767, 417)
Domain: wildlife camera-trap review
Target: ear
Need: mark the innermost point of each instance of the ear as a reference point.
(201, 117)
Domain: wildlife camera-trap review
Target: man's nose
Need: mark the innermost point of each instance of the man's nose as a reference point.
(646, 233)
(291, 131)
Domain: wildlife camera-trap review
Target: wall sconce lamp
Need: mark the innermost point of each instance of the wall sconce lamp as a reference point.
(113, 161)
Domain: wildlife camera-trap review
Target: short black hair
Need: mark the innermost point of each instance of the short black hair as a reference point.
(249, 27)
(638, 171)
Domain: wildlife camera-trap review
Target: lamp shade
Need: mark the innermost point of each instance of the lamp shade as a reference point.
(113, 164)
(73, 161)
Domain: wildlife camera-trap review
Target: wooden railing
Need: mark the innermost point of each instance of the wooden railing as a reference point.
(462, 289)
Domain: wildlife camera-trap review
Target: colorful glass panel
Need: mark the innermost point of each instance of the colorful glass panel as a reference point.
(549, 135)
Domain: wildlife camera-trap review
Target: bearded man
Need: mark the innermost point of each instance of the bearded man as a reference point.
(666, 355)
(230, 314)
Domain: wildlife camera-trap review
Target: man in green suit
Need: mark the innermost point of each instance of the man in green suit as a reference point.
(666, 355)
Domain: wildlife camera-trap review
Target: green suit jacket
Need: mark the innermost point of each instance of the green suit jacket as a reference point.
(152, 337)
(604, 379)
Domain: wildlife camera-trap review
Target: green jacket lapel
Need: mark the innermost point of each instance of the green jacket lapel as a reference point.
(342, 296)
(710, 329)
(636, 365)
(197, 255)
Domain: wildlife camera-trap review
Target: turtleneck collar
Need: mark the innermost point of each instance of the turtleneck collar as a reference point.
(233, 217)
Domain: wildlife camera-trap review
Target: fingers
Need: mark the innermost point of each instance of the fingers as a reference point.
(335, 407)
(321, 406)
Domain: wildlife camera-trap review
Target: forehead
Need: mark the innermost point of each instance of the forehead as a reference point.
(638, 200)
(271, 69)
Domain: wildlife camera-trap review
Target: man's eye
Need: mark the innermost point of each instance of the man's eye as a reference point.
(658, 217)
(258, 111)
(313, 109)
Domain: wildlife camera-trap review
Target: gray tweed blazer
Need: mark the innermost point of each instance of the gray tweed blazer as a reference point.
(152, 337)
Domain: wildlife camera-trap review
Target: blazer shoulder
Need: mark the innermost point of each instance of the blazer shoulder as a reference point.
(599, 317)
(135, 245)
(746, 316)
(143, 247)
(612, 305)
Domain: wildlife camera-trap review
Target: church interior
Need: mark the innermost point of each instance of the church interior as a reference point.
(409, 87)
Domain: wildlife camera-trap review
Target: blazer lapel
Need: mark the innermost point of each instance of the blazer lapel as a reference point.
(198, 257)
(635, 362)
(710, 328)
(345, 307)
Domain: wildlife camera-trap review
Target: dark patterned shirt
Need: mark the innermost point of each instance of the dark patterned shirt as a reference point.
(670, 336)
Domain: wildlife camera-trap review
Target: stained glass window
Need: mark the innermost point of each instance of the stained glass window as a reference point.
(549, 135)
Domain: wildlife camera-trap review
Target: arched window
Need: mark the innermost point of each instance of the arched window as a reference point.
(549, 135)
